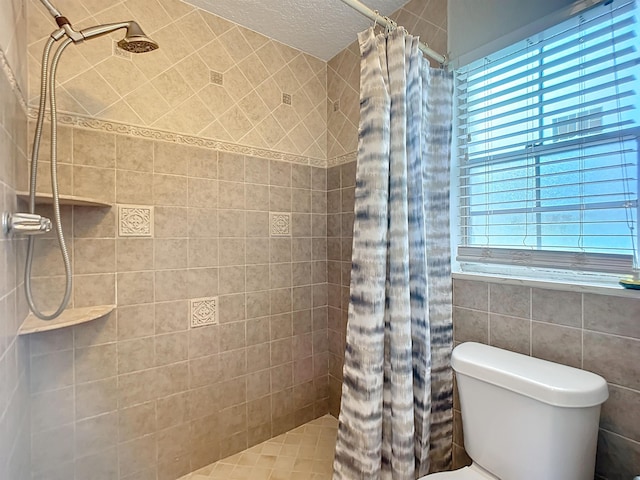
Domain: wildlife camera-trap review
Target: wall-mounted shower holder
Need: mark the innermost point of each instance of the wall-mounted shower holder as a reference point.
(25, 224)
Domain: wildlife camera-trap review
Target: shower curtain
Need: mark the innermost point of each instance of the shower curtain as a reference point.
(396, 412)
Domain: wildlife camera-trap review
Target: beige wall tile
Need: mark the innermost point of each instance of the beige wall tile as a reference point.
(169, 190)
(170, 253)
(95, 149)
(470, 325)
(92, 182)
(612, 315)
(96, 434)
(511, 300)
(257, 197)
(95, 363)
(134, 187)
(135, 288)
(171, 285)
(258, 330)
(258, 359)
(48, 451)
(510, 333)
(52, 409)
(172, 410)
(137, 455)
(92, 290)
(602, 355)
(203, 252)
(171, 316)
(95, 398)
(204, 371)
(135, 321)
(203, 341)
(94, 256)
(231, 167)
(562, 308)
(231, 195)
(557, 344)
(170, 222)
(134, 254)
(134, 154)
(52, 371)
(135, 355)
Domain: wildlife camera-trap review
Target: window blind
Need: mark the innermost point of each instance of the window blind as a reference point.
(547, 147)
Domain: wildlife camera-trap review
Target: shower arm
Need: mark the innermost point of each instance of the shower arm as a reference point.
(85, 34)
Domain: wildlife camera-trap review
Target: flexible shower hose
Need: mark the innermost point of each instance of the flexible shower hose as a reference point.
(50, 79)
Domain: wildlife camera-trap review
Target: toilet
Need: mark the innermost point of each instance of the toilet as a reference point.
(525, 418)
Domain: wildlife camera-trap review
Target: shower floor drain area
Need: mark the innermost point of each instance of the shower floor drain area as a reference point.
(304, 453)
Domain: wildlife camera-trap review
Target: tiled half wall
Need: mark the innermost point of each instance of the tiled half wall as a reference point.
(142, 393)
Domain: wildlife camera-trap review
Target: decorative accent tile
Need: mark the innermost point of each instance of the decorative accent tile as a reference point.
(216, 77)
(286, 98)
(135, 221)
(204, 311)
(280, 224)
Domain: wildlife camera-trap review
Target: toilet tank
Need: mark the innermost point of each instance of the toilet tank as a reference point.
(527, 419)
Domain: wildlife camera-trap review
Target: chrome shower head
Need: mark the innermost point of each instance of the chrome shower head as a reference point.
(136, 41)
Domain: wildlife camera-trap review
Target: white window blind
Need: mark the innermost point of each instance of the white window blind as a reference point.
(547, 147)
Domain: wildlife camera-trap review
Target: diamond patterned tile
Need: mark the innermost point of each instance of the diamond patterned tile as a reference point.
(304, 453)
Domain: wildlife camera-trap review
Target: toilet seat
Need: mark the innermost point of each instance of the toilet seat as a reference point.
(467, 473)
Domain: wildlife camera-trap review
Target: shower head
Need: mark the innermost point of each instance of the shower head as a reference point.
(136, 41)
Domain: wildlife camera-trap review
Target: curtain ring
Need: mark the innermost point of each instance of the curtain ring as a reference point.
(375, 20)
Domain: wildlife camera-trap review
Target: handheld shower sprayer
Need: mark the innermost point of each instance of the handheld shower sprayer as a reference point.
(134, 41)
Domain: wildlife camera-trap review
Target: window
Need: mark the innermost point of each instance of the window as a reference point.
(547, 148)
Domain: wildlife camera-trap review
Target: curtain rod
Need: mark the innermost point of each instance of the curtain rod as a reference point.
(387, 22)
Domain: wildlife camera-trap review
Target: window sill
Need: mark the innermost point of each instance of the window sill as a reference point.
(567, 285)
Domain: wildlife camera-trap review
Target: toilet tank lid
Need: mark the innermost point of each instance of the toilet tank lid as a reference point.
(548, 382)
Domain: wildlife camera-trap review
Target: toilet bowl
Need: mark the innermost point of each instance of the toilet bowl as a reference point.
(525, 418)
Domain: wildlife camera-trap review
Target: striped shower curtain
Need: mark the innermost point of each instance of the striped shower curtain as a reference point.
(396, 411)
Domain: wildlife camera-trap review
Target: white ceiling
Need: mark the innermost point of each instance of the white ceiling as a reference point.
(319, 27)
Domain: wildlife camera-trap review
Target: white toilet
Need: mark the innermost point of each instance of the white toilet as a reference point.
(525, 418)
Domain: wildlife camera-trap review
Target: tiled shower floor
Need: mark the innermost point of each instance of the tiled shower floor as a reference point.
(304, 453)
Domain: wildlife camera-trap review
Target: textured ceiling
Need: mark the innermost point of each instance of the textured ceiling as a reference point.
(319, 27)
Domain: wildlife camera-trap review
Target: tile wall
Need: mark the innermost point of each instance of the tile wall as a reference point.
(14, 354)
(141, 393)
(210, 78)
(596, 332)
(341, 181)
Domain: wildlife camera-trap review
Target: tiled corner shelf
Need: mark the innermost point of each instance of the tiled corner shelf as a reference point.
(47, 199)
(68, 318)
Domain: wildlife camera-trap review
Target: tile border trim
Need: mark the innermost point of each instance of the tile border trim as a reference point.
(342, 159)
(172, 137)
